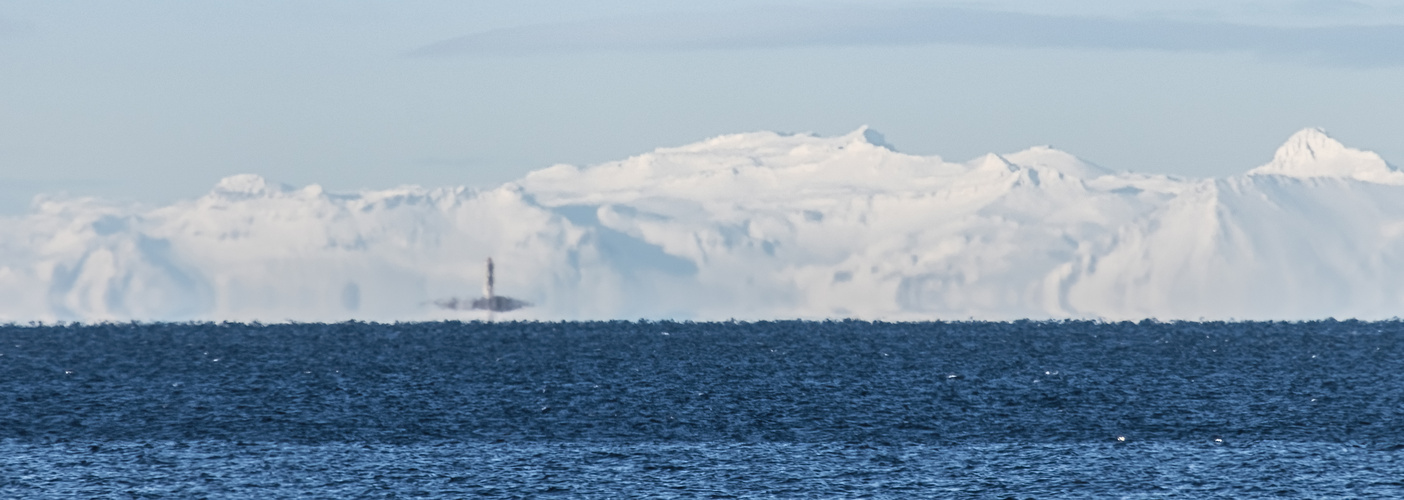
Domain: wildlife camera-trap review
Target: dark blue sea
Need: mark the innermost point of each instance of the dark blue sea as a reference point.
(703, 410)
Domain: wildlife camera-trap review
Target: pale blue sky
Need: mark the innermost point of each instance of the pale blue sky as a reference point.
(157, 100)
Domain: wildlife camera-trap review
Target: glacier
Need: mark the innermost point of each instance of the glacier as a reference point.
(746, 226)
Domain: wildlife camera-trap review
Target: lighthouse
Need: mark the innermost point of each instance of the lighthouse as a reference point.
(490, 301)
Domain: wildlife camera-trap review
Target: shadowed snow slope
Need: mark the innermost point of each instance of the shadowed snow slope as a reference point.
(747, 226)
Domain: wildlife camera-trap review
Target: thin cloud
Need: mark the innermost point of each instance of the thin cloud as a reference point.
(1367, 46)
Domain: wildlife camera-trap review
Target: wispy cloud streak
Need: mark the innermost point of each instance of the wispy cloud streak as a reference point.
(1368, 46)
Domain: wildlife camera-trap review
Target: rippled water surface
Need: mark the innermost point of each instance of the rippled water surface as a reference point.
(781, 409)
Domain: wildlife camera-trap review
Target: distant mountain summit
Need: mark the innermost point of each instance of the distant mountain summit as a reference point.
(1312, 153)
(1047, 157)
(756, 225)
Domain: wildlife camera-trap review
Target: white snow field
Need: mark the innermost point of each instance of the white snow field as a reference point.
(746, 226)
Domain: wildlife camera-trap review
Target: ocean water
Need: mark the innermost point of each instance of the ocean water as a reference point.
(713, 410)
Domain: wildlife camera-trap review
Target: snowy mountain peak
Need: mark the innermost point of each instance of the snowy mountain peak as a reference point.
(867, 135)
(1049, 158)
(246, 185)
(991, 162)
(1306, 147)
(1311, 153)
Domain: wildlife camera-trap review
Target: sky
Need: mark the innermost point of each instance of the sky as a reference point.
(153, 101)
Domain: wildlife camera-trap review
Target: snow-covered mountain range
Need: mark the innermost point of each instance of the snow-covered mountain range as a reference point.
(746, 226)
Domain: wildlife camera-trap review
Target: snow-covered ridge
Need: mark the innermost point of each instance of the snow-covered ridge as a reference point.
(755, 225)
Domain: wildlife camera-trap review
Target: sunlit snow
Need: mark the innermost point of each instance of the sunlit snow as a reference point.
(746, 226)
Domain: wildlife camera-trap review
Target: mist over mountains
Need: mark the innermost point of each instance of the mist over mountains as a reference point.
(747, 226)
